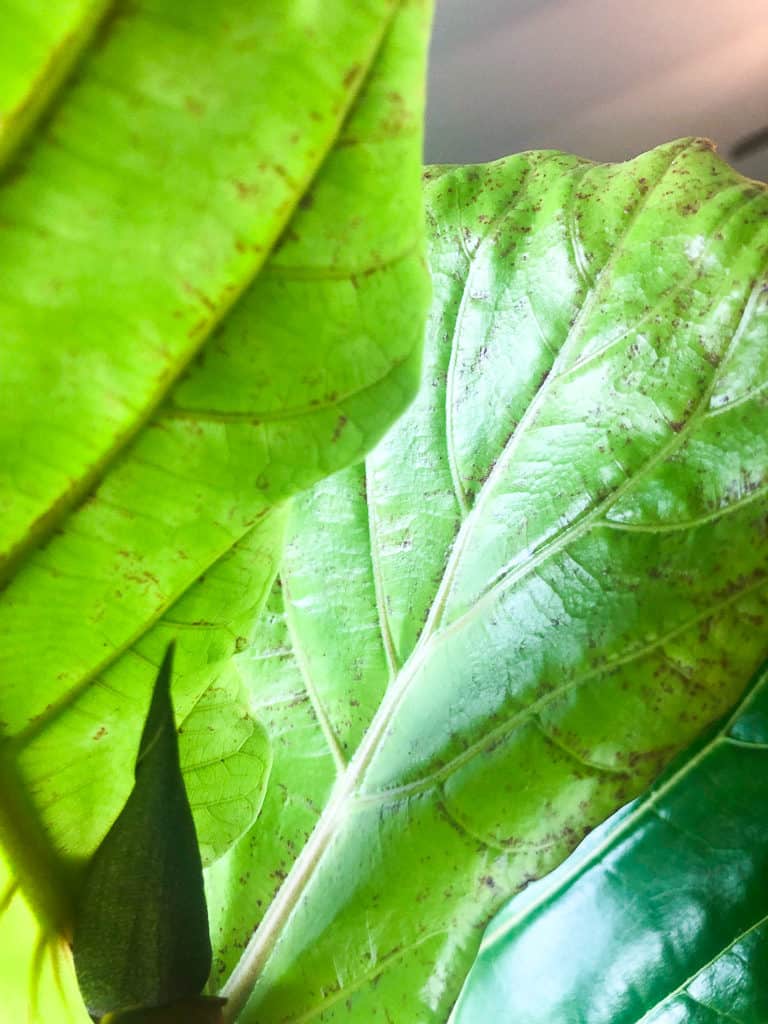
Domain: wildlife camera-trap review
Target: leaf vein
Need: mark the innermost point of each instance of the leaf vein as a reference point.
(570, 341)
(332, 741)
(520, 715)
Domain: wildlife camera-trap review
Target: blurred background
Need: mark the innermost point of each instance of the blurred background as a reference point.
(605, 79)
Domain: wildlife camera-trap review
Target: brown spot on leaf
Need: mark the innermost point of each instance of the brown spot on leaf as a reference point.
(194, 106)
(341, 422)
(245, 189)
(352, 73)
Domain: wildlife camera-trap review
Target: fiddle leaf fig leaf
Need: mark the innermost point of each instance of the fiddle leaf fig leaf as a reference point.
(214, 290)
(540, 586)
(76, 764)
(141, 923)
(662, 915)
(37, 50)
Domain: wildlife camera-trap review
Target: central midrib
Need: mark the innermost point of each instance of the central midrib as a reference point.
(45, 89)
(571, 341)
(242, 980)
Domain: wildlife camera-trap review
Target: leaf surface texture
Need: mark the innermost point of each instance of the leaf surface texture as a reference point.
(213, 293)
(540, 586)
(661, 917)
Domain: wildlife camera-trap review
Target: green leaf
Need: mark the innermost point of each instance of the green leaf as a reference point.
(67, 776)
(37, 50)
(141, 925)
(541, 585)
(213, 294)
(226, 761)
(663, 915)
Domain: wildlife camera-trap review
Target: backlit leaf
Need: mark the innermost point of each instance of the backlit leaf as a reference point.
(213, 294)
(541, 585)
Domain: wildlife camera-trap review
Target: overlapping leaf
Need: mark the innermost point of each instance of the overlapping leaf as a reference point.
(167, 374)
(662, 917)
(37, 50)
(542, 584)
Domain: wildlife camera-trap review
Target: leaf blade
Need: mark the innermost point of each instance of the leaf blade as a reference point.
(701, 825)
(547, 660)
(37, 55)
(125, 570)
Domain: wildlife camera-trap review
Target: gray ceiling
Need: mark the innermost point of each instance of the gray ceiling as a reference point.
(602, 78)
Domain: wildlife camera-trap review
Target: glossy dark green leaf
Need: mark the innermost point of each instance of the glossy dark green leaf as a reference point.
(542, 584)
(661, 918)
(141, 925)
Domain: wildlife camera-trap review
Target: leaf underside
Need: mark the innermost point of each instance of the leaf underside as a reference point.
(662, 917)
(541, 585)
(213, 294)
(211, 249)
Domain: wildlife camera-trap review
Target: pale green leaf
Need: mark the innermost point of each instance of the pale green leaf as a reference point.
(226, 764)
(541, 585)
